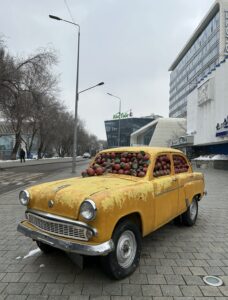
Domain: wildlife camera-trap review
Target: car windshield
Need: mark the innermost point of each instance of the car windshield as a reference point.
(123, 163)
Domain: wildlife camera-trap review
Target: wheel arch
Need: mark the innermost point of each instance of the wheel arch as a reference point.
(134, 217)
(197, 197)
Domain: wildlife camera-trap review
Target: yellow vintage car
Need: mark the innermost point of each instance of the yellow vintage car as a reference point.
(124, 195)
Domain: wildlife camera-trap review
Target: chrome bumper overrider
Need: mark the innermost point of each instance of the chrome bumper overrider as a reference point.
(63, 244)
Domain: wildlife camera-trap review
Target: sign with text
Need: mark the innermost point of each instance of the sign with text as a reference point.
(222, 128)
(121, 116)
(226, 32)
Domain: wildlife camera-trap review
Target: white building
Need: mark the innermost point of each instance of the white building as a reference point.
(199, 82)
(159, 133)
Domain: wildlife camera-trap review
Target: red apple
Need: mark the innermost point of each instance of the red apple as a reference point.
(90, 172)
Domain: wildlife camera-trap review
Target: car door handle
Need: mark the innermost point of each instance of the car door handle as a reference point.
(174, 179)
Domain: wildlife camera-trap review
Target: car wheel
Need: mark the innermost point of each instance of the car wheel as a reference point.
(45, 248)
(190, 216)
(125, 258)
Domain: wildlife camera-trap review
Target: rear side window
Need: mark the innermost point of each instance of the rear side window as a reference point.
(180, 164)
(162, 166)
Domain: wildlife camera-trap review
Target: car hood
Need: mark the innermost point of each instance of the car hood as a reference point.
(67, 195)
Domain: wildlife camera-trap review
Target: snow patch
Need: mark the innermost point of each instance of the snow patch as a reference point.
(32, 252)
(212, 157)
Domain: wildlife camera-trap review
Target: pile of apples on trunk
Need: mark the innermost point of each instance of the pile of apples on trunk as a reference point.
(126, 163)
(162, 166)
(180, 164)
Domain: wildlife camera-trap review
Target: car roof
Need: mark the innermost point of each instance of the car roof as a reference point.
(149, 150)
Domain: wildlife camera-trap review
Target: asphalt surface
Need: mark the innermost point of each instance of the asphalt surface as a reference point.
(13, 177)
(173, 263)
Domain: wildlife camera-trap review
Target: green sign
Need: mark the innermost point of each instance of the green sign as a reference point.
(121, 116)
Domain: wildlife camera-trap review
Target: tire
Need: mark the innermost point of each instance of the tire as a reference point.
(190, 216)
(124, 260)
(45, 248)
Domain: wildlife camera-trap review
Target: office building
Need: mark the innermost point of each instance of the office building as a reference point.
(206, 48)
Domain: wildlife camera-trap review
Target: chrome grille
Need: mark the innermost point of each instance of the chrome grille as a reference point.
(58, 228)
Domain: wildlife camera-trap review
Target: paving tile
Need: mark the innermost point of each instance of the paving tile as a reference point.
(55, 297)
(29, 277)
(100, 298)
(131, 290)
(72, 289)
(156, 279)
(193, 291)
(174, 279)
(151, 290)
(197, 271)
(168, 262)
(120, 297)
(138, 278)
(37, 297)
(181, 270)
(16, 297)
(184, 262)
(48, 277)
(53, 289)
(214, 270)
(65, 278)
(210, 291)
(34, 288)
(148, 269)
(2, 275)
(193, 280)
(171, 290)
(12, 277)
(224, 290)
(79, 297)
(162, 298)
(92, 289)
(164, 270)
(15, 288)
(112, 288)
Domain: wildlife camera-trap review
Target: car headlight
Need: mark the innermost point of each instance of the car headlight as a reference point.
(24, 197)
(88, 210)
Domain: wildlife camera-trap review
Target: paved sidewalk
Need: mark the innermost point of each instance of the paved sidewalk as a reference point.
(173, 262)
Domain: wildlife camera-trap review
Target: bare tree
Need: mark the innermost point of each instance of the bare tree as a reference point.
(19, 79)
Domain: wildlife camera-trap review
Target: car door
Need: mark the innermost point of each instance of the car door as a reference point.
(165, 190)
(182, 171)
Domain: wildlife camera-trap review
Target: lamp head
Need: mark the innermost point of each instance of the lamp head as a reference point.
(55, 17)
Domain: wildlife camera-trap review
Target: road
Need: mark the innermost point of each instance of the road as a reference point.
(15, 177)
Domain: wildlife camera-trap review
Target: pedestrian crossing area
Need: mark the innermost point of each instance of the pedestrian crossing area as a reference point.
(11, 180)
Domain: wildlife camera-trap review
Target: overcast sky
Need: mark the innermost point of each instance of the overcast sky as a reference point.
(128, 44)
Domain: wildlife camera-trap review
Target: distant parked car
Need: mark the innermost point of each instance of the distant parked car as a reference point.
(86, 155)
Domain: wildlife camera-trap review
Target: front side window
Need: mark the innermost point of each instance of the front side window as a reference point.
(180, 164)
(162, 166)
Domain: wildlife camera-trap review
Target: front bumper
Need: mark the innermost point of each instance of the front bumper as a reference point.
(64, 244)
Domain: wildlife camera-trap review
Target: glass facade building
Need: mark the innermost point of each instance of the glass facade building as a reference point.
(127, 127)
(199, 57)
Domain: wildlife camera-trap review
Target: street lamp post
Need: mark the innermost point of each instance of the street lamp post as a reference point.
(119, 115)
(76, 94)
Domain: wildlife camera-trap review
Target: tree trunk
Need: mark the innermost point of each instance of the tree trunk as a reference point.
(16, 146)
(39, 152)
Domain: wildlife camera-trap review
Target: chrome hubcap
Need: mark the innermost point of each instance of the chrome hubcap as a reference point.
(193, 209)
(126, 249)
